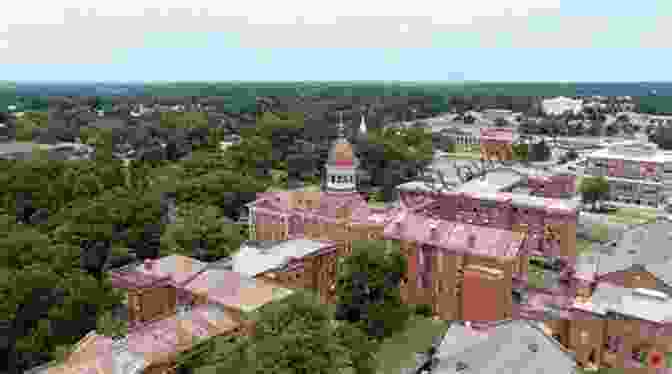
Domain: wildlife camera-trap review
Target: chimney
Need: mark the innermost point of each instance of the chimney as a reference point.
(471, 241)
(433, 230)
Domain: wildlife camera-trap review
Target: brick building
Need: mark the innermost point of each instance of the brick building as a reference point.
(497, 143)
(637, 173)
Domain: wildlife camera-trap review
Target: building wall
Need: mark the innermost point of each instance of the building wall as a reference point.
(496, 150)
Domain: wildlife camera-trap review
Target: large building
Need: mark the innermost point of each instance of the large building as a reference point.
(637, 173)
(469, 254)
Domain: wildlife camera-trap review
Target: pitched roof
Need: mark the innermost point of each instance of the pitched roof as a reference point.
(511, 346)
(252, 260)
(177, 269)
(495, 181)
(235, 290)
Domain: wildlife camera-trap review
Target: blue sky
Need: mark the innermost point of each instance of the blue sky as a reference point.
(488, 40)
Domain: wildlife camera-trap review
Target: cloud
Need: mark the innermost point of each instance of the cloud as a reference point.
(69, 31)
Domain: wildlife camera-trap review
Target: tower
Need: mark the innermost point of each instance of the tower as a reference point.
(341, 166)
(362, 127)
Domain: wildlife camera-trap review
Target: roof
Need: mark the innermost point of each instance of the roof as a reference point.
(161, 340)
(634, 151)
(341, 154)
(96, 354)
(235, 290)
(21, 147)
(455, 236)
(640, 246)
(252, 260)
(511, 346)
(177, 269)
(495, 181)
(629, 302)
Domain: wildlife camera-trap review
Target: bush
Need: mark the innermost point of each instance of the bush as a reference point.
(424, 310)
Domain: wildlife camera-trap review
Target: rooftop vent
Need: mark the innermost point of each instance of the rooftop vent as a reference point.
(651, 293)
(461, 366)
(533, 347)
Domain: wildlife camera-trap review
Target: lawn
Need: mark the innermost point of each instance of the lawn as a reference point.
(398, 351)
(535, 276)
(466, 152)
(583, 246)
(632, 216)
(599, 232)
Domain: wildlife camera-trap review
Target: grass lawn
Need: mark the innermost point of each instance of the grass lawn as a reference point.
(632, 216)
(466, 152)
(599, 232)
(398, 351)
(583, 246)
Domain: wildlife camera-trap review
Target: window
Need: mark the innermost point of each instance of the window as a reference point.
(584, 337)
(333, 179)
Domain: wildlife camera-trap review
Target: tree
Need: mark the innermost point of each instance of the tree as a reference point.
(368, 289)
(294, 335)
(593, 190)
(204, 227)
(521, 151)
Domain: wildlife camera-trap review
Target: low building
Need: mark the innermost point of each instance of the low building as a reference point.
(561, 105)
(510, 346)
(637, 173)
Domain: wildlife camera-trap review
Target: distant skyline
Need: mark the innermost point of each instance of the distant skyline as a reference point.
(479, 40)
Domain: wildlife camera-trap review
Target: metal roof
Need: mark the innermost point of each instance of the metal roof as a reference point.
(511, 346)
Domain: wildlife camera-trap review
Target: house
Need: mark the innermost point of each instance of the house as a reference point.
(509, 346)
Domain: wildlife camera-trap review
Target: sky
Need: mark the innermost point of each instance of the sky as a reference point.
(437, 40)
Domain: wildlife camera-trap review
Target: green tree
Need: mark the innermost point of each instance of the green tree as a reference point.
(521, 151)
(368, 288)
(593, 190)
(295, 335)
(204, 225)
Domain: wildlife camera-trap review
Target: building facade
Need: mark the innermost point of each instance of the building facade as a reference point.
(637, 173)
(497, 143)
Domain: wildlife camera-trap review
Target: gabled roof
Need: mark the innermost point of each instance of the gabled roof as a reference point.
(511, 346)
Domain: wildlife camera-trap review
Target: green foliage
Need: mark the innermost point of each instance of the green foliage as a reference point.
(108, 325)
(183, 120)
(593, 189)
(521, 151)
(377, 262)
(199, 222)
(424, 310)
(295, 335)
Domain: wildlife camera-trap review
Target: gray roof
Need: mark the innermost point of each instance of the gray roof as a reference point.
(255, 258)
(507, 347)
(642, 245)
(628, 302)
(495, 181)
